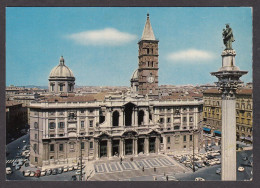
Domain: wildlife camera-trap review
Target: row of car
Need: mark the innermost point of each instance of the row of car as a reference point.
(55, 171)
(199, 160)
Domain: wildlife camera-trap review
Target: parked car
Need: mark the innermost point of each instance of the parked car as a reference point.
(26, 164)
(65, 169)
(49, 172)
(199, 179)
(37, 173)
(241, 169)
(8, 170)
(15, 163)
(70, 168)
(60, 170)
(54, 171)
(43, 172)
(74, 178)
(210, 157)
(78, 172)
(206, 163)
(218, 171)
(17, 167)
(27, 173)
(32, 174)
(198, 165)
(247, 163)
(75, 167)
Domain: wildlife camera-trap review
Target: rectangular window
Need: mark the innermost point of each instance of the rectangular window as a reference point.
(191, 119)
(52, 125)
(35, 147)
(61, 125)
(168, 120)
(161, 120)
(36, 159)
(190, 137)
(82, 124)
(184, 146)
(51, 147)
(184, 119)
(35, 136)
(52, 135)
(91, 123)
(82, 111)
(168, 140)
(161, 140)
(91, 145)
(184, 138)
(71, 146)
(61, 87)
(61, 147)
(82, 145)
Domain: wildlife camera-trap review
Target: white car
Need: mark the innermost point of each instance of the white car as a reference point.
(27, 173)
(78, 172)
(24, 141)
(65, 169)
(241, 169)
(199, 179)
(43, 172)
(75, 167)
(70, 168)
(8, 170)
(32, 174)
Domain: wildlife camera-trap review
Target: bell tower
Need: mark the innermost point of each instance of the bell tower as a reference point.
(148, 62)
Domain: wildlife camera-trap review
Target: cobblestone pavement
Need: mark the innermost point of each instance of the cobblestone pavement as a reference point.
(114, 170)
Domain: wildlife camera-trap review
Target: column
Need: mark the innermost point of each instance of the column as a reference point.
(146, 145)
(121, 147)
(136, 147)
(188, 118)
(228, 139)
(133, 146)
(109, 148)
(181, 119)
(121, 118)
(157, 145)
(146, 117)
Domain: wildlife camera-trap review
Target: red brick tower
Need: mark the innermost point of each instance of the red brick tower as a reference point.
(148, 62)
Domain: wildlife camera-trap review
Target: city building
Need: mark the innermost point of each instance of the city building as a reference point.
(16, 120)
(212, 113)
(65, 125)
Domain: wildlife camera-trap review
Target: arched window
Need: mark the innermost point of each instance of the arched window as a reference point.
(140, 117)
(115, 118)
(35, 125)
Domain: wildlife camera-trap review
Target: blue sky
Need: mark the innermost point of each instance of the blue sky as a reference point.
(100, 44)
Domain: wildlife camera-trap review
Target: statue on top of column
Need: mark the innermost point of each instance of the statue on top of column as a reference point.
(228, 37)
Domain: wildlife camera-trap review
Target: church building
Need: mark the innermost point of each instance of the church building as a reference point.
(65, 126)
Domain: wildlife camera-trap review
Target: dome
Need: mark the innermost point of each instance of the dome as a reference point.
(135, 75)
(61, 70)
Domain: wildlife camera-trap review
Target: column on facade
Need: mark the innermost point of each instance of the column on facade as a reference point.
(56, 125)
(109, 148)
(181, 120)
(96, 149)
(56, 150)
(121, 117)
(188, 118)
(196, 114)
(65, 150)
(157, 144)
(66, 123)
(108, 117)
(136, 147)
(86, 149)
(121, 147)
(146, 145)
(146, 117)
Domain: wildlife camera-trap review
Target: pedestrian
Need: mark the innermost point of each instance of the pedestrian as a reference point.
(154, 169)
(121, 162)
(121, 159)
(143, 168)
(167, 178)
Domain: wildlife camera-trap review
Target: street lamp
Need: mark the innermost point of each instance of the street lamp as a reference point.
(193, 167)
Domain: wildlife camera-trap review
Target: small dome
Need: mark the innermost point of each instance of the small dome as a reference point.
(135, 75)
(61, 70)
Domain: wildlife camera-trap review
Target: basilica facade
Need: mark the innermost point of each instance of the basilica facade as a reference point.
(65, 126)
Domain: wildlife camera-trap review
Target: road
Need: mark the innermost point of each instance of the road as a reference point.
(208, 173)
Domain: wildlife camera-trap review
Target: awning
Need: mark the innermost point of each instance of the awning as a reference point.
(206, 129)
(218, 132)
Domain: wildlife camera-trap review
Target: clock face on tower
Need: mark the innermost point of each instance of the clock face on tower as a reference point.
(150, 79)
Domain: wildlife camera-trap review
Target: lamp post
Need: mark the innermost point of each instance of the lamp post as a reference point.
(228, 83)
(193, 150)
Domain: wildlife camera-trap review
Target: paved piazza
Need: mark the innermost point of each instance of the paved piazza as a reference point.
(114, 171)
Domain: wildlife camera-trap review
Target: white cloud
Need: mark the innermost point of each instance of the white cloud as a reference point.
(105, 37)
(190, 55)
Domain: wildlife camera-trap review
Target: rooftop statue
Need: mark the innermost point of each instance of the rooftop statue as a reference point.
(228, 37)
